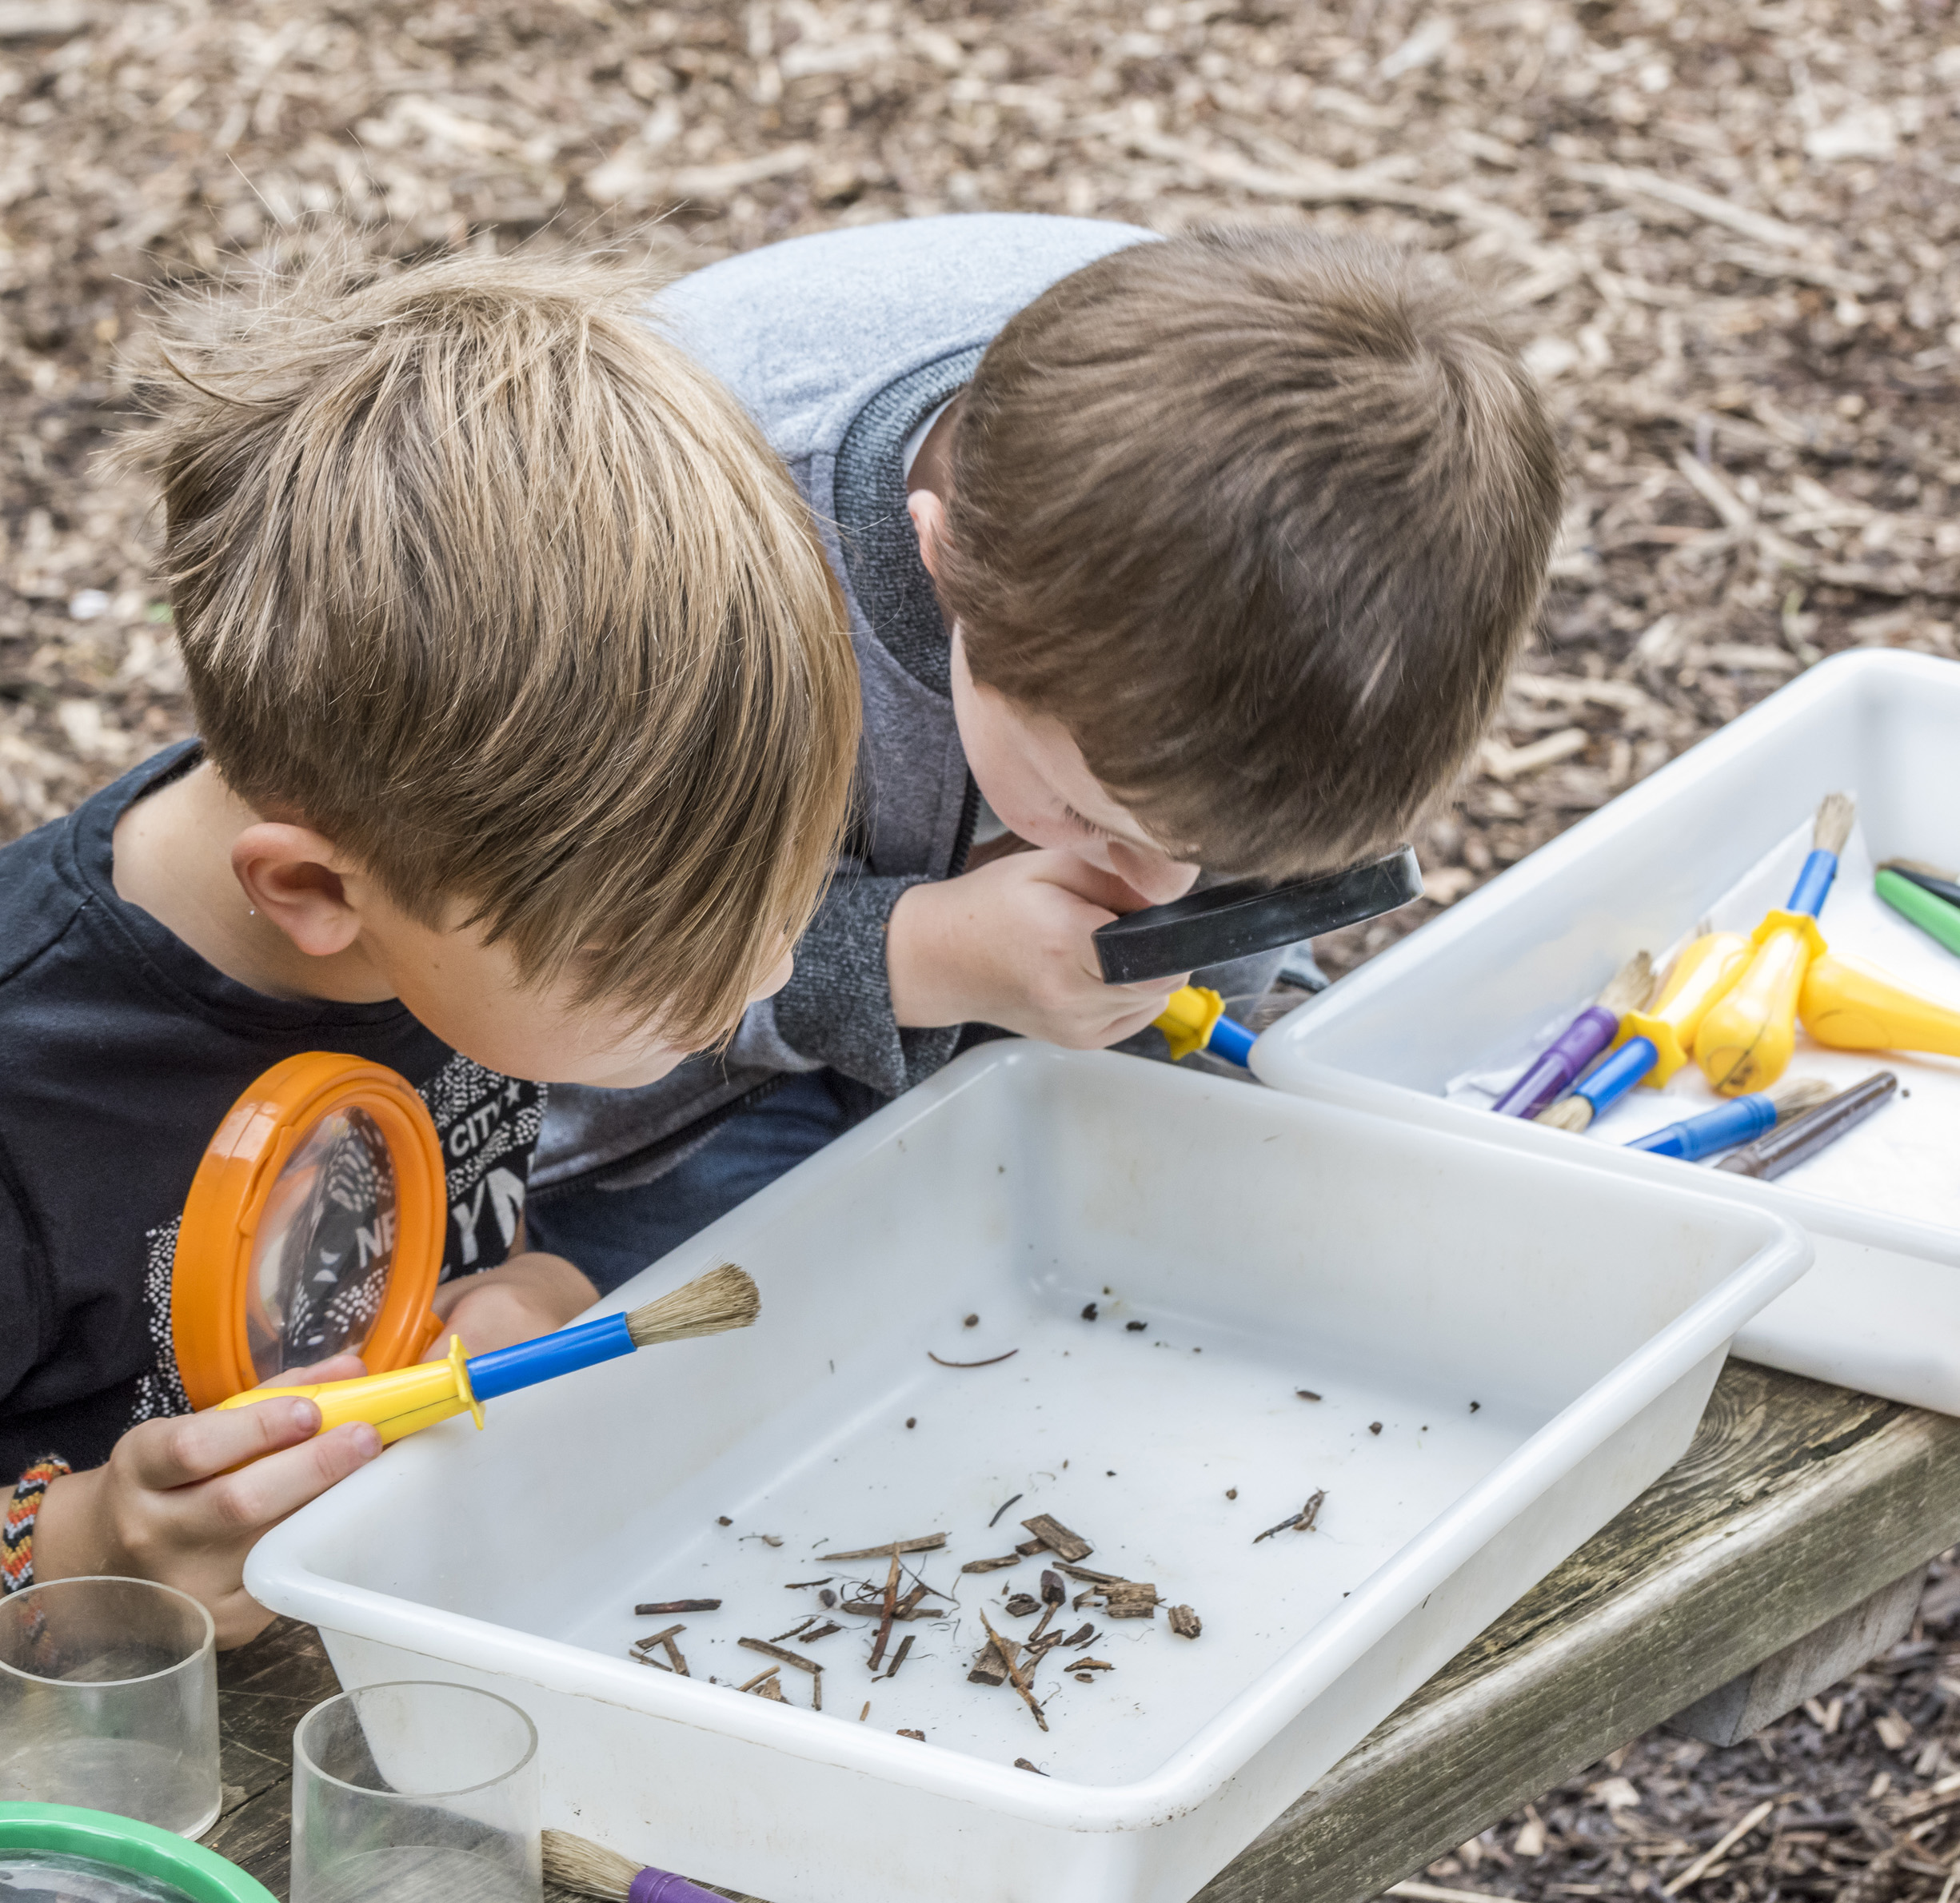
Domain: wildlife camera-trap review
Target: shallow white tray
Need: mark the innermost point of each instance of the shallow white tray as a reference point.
(1267, 1245)
(1480, 984)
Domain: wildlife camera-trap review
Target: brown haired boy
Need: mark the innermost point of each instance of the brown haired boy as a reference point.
(1209, 553)
(528, 721)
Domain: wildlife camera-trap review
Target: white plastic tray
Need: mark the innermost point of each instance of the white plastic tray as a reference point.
(1267, 1245)
(1477, 986)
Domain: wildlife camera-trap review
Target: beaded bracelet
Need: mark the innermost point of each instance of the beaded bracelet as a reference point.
(17, 1535)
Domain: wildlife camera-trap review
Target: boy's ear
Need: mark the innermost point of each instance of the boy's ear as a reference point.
(928, 522)
(290, 874)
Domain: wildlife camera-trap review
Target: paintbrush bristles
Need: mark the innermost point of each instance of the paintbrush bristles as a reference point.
(1918, 866)
(1568, 1113)
(1834, 822)
(710, 1304)
(589, 1869)
(1628, 988)
(1793, 1096)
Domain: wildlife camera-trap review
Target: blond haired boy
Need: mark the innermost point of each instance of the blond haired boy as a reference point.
(527, 718)
(1206, 553)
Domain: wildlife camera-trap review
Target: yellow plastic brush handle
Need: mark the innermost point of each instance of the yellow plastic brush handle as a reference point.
(1702, 975)
(1187, 1018)
(1745, 1043)
(399, 1403)
(1852, 1006)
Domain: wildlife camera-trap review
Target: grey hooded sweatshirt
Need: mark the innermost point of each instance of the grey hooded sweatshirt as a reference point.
(839, 345)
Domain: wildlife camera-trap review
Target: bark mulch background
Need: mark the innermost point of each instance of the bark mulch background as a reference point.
(1724, 231)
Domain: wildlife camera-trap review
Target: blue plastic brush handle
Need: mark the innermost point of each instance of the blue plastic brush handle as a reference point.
(529, 1362)
(1617, 1075)
(1740, 1120)
(1231, 1040)
(1813, 886)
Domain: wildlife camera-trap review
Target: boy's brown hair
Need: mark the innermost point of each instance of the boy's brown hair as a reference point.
(1262, 518)
(481, 578)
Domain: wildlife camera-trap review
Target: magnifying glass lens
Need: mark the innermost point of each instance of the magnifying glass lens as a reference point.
(325, 1246)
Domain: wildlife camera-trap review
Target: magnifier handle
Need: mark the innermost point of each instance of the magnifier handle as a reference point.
(398, 1403)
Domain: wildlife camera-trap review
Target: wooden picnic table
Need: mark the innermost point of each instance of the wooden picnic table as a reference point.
(1773, 1552)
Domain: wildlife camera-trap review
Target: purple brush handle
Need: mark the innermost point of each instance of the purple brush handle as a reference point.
(664, 1886)
(1559, 1063)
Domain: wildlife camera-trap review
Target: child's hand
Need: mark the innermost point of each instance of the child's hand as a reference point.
(525, 1296)
(1009, 944)
(181, 1501)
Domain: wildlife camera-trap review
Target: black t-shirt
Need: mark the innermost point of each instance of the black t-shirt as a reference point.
(122, 1049)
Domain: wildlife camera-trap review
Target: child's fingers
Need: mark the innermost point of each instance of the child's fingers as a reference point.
(265, 1491)
(1103, 890)
(162, 1454)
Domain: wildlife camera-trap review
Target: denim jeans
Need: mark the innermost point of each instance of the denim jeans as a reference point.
(613, 1234)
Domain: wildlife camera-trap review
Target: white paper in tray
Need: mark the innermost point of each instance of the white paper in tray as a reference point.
(1905, 1159)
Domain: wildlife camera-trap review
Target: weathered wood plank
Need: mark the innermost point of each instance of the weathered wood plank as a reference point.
(1796, 1501)
(1838, 1648)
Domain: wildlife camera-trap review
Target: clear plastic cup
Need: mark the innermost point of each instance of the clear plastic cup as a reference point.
(415, 1793)
(109, 1700)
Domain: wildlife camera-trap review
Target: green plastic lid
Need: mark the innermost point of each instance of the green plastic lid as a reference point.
(125, 1844)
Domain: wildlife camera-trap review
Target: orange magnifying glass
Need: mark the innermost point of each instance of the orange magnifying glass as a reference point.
(315, 1224)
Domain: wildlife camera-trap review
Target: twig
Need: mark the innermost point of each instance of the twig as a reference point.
(1302, 1521)
(1007, 1648)
(891, 1612)
(1001, 1509)
(1634, 181)
(929, 1542)
(770, 1650)
(661, 1608)
(988, 1363)
(1719, 1849)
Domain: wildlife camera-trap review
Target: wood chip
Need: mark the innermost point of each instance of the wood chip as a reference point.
(1021, 1763)
(659, 1608)
(990, 1668)
(657, 1638)
(1028, 1548)
(1185, 1622)
(1057, 1538)
(995, 1565)
(898, 1657)
(930, 1542)
(1023, 1606)
(760, 1678)
(919, 1735)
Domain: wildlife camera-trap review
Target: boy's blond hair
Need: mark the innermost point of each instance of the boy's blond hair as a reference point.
(483, 580)
(1262, 518)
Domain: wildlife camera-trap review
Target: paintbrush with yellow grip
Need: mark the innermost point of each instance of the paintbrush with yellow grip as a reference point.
(1745, 1041)
(407, 1399)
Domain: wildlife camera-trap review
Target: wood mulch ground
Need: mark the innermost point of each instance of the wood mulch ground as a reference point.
(1723, 229)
